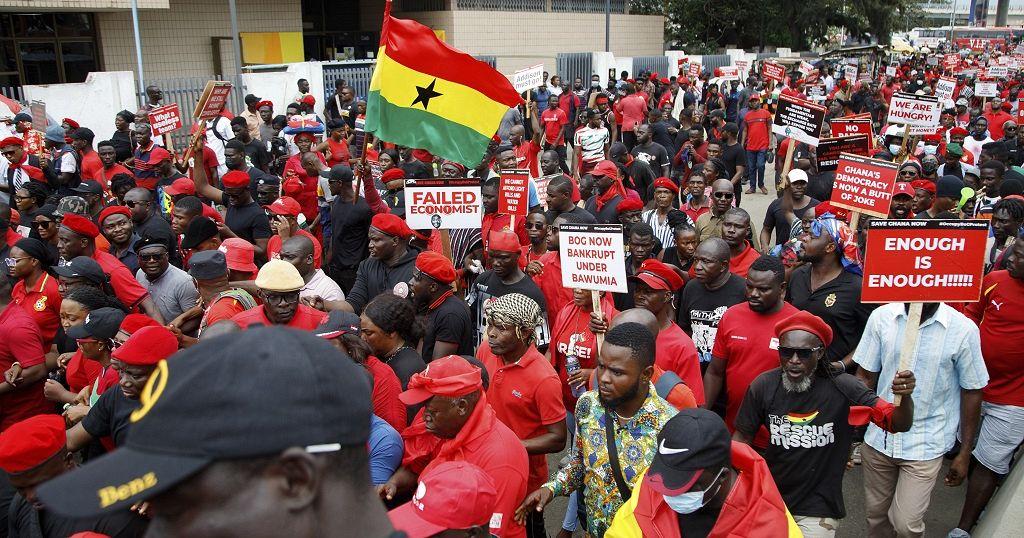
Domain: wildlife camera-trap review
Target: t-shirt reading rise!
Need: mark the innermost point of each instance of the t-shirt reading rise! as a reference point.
(489, 286)
(701, 309)
(809, 437)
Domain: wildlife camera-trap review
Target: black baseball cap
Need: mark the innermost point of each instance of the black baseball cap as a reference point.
(198, 230)
(82, 267)
(338, 172)
(101, 324)
(338, 323)
(197, 409)
(88, 186)
(691, 441)
(207, 265)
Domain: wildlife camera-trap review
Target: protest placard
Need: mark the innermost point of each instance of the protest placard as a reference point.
(528, 78)
(850, 73)
(915, 110)
(864, 185)
(513, 192)
(798, 119)
(165, 119)
(944, 88)
(815, 91)
(211, 102)
(542, 187)
(851, 126)
(890, 71)
(829, 150)
(923, 260)
(806, 68)
(729, 72)
(693, 70)
(773, 71)
(38, 111)
(997, 71)
(985, 89)
(743, 66)
(593, 257)
(443, 204)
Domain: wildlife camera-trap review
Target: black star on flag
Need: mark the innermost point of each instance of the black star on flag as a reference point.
(424, 95)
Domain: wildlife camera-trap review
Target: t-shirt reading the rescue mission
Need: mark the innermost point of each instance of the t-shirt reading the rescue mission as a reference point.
(809, 437)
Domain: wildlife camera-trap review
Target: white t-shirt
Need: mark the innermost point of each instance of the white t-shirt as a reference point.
(591, 142)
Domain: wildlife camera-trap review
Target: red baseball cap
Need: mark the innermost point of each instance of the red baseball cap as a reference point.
(453, 495)
(158, 155)
(436, 266)
(805, 321)
(285, 205)
(181, 185)
(450, 376)
(27, 444)
(903, 187)
(80, 225)
(147, 346)
(210, 212)
(240, 254)
(658, 276)
(605, 168)
(308, 99)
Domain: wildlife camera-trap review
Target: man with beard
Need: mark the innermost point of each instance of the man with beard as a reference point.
(560, 192)
(171, 288)
(808, 414)
(268, 190)
(640, 243)
(924, 195)
(708, 295)
(649, 152)
(390, 266)
(624, 406)
(735, 231)
(116, 224)
(902, 201)
(449, 328)
(279, 283)
(299, 252)
(745, 343)
(1007, 220)
(710, 224)
(505, 276)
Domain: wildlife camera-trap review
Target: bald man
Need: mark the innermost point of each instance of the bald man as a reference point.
(298, 251)
(710, 223)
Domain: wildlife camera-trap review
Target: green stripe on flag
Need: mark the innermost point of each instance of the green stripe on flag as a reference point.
(422, 130)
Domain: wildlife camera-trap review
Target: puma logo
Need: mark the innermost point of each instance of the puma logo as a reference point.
(998, 305)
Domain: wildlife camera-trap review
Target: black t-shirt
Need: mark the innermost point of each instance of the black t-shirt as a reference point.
(257, 155)
(661, 136)
(654, 154)
(671, 257)
(733, 156)
(249, 221)
(24, 521)
(819, 185)
(624, 301)
(700, 310)
(450, 322)
(608, 214)
(109, 417)
(489, 286)
(641, 176)
(837, 303)
(350, 225)
(809, 437)
(775, 217)
(584, 216)
(405, 363)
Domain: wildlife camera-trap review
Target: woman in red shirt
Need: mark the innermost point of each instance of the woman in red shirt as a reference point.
(571, 336)
(336, 146)
(293, 168)
(36, 290)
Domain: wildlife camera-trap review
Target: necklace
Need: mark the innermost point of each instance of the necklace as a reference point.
(395, 351)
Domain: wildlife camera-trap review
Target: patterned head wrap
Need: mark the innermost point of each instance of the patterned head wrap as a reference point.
(514, 310)
(844, 238)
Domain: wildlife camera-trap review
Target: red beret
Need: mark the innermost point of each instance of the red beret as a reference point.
(114, 210)
(210, 212)
(631, 81)
(658, 276)
(134, 322)
(422, 156)
(805, 321)
(308, 99)
(923, 184)
(146, 346)
(436, 266)
(629, 204)
(264, 103)
(235, 179)
(504, 242)
(958, 131)
(605, 168)
(666, 183)
(12, 141)
(71, 123)
(664, 80)
(392, 174)
(285, 205)
(27, 444)
(391, 224)
(601, 99)
(934, 137)
(80, 225)
(654, 76)
(182, 185)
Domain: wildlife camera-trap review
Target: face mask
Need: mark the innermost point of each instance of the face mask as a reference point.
(595, 84)
(895, 148)
(929, 167)
(691, 501)
(929, 150)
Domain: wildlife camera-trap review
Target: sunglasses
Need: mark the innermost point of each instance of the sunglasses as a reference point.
(151, 257)
(43, 224)
(908, 173)
(6, 153)
(131, 204)
(723, 195)
(802, 353)
(534, 226)
(11, 262)
(278, 298)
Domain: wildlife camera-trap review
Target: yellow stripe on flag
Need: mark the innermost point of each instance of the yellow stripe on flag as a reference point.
(457, 103)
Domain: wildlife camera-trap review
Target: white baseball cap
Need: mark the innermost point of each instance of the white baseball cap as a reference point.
(796, 175)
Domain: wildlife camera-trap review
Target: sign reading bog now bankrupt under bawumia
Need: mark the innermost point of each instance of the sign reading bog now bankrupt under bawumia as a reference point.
(593, 257)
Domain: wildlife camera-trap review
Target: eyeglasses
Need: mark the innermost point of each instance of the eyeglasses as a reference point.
(132, 204)
(723, 195)
(20, 197)
(802, 353)
(908, 173)
(9, 152)
(81, 341)
(278, 298)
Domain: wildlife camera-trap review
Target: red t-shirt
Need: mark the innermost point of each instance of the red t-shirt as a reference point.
(995, 123)
(222, 309)
(526, 157)
(21, 341)
(550, 283)
(274, 247)
(339, 152)
(42, 302)
(634, 111)
(694, 214)
(553, 120)
(758, 124)
(1000, 316)
(91, 166)
(104, 175)
(740, 263)
(210, 159)
(746, 342)
(386, 388)
(126, 288)
(306, 198)
(500, 222)
(526, 397)
(676, 352)
(306, 318)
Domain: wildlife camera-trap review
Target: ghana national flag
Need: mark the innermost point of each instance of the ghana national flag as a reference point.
(425, 94)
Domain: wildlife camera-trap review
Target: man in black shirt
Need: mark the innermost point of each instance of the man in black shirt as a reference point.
(244, 218)
(449, 323)
(706, 298)
(255, 151)
(807, 412)
(505, 276)
(148, 220)
(342, 106)
(735, 159)
(649, 152)
(636, 174)
(640, 243)
(236, 157)
(681, 255)
(559, 192)
(782, 212)
(829, 287)
(390, 265)
(350, 226)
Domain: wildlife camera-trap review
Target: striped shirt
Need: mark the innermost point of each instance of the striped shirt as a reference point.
(663, 232)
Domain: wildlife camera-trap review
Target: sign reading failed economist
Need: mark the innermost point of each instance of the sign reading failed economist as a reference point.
(528, 78)
(915, 110)
(593, 257)
(829, 150)
(165, 119)
(923, 260)
(773, 71)
(864, 185)
(443, 204)
(513, 192)
(798, 119)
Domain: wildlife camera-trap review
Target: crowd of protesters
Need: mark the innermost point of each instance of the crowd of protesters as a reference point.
(241, 338)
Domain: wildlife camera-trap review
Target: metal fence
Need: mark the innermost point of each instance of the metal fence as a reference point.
(709, 62)
(650, 64)
(13, 92)
(572, 65)
(185, 91)
(585, 6)
(499, 5)
(489, 60)
(356, 76)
